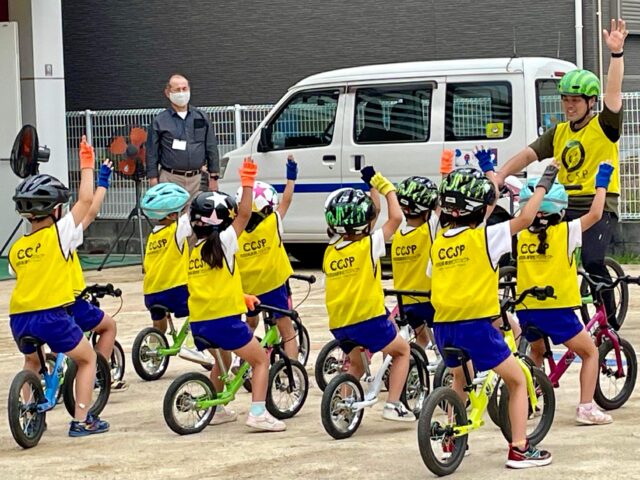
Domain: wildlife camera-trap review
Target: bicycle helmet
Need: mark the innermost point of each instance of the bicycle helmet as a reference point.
(554, 202)
(579, 83)
(265, 198)
(163, 199)
(465, 191)
(348, 210)
(215, 209)
(417, 195)
(39, 195)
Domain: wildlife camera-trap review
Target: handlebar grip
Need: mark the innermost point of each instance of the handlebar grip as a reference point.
(311, 279)
(269, 309)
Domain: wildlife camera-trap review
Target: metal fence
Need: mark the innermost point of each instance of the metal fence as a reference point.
(234, 125)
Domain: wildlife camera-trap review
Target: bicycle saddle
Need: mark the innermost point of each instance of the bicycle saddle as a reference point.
(158, 310)
(201, 341)
(535, 331)
(456, 353)
(30, 341)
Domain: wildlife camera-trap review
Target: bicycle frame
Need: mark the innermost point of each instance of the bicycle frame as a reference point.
(178, 339)
(51, 382)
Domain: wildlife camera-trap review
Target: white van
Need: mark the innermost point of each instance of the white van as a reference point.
(399, 118)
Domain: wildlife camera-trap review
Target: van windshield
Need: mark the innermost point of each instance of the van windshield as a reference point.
(549, 104)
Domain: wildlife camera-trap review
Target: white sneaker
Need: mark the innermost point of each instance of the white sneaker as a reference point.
(194, 355)
(397, 413)
(224, 415)
(592, 416)
(265, 422)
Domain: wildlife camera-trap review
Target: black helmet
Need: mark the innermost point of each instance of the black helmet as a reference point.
(39, 195)
(215, 209)
(466, 190)
(417, 195)
(349, 210)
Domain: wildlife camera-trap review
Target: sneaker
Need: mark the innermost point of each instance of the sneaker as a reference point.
(531, 457)
(194, 355)
(397, 412)
(448, 444)
(265, 422)
(592, 416)
(92, 425)
(119, 386)
(223, 415)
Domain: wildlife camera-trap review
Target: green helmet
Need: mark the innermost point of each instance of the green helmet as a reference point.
(417, 195)
(466, 190)
(579, 82)
(349, 210)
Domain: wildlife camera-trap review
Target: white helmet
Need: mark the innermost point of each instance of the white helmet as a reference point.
(265, 198)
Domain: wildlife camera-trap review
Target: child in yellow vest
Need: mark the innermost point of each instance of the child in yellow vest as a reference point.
(216, 300)
(464, 273)
(546, 256)
(87, 316)
(262, 259)
(43, 291)
(353, 293)
(418, 198)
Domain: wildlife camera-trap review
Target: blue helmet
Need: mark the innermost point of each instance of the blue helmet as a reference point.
(554, 202)
(164, 199)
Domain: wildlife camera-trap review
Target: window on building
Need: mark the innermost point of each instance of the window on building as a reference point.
(549, 104)
(478, 111)
(398, 114)
(630, 11)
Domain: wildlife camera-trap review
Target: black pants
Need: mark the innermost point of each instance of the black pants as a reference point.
(595, 243)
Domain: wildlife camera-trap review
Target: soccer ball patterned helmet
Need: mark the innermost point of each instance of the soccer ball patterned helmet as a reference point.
(265, 198)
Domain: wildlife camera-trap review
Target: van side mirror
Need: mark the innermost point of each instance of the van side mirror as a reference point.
(264, 145)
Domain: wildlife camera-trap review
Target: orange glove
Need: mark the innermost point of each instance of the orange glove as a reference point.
(87, 155)
(248, 172)
(446, 162)
(251, 301)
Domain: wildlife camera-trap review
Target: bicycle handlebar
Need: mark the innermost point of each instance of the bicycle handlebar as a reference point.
(100, 291)
(310, 279)
(408, 293)
(607, 285)
(541, 293)
(269, 309)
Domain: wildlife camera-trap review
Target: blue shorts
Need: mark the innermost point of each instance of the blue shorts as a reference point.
(54, 326)
(176, 299)
(86, 315)
(419, 313)
(373, 334)
(228, 333)
(559, 324)
(483, 342)
(278, 297)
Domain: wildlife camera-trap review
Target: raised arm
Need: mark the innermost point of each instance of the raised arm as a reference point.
(85, 191)
(386, 188)
(603, 177)
(287, 195)
(104, 180)
(248, 173)
(528, 213)
(615, 42)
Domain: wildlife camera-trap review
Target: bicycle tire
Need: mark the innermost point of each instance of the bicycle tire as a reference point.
(328, 367)
(542, 385)
(103, 383)
(139, 355)
(330, 403)
(493, 407)
(416, 388)
(304, 345)
(629, 356)
(620, 293)
(118, 362)
(171, 397)
(23, 435)
(279, 382)
(427, 429)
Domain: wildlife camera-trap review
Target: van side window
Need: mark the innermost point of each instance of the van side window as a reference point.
(392, 114)
(478, 111)
(549, 104)
(308, 120)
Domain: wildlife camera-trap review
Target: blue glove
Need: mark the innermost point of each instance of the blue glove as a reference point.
(104, 176)
(484, 160)
(367, 174)
(292, 170)
(603, 177)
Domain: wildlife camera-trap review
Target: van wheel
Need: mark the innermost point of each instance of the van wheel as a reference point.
(310, 255)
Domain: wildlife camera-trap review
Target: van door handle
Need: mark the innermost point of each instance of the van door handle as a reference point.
(329, 160)
(357, 162)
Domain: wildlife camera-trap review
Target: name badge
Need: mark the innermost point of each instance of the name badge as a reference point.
(179, 144)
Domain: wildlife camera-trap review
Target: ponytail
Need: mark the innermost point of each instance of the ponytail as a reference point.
(212, 253)
(542, 237)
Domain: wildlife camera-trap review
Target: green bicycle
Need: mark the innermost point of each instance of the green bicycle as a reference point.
(444, 425)
(191, 400)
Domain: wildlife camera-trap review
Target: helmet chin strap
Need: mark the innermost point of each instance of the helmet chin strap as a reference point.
(582, 119)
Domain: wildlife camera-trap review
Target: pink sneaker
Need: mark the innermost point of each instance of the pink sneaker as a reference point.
(592, 416)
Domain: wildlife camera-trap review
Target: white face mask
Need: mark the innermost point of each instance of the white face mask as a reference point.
(180, 98)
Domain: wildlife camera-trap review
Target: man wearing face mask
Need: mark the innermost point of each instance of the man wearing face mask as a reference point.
(181, 142)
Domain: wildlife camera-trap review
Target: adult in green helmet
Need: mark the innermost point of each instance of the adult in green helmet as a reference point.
(580, 144)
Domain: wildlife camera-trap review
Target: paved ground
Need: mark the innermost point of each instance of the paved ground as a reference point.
(141, 446)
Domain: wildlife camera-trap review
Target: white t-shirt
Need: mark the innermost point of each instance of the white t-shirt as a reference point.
(498, 241)
(229, 241)
(434, 226)
(182, 115)
(378, 248)
(575, 236)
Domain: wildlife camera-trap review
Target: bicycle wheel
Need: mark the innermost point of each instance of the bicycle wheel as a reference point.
(117, 362)
(146, 362)
(101, 388)
(339, 419)
(613, 390)
(50, 360)
(416, 388)
(285, 398)
(179, 405)
(329, 363)
(304, 344)
(493, 407)
(25, 422)
(441, 450)
(620, 295)
(539, 422)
